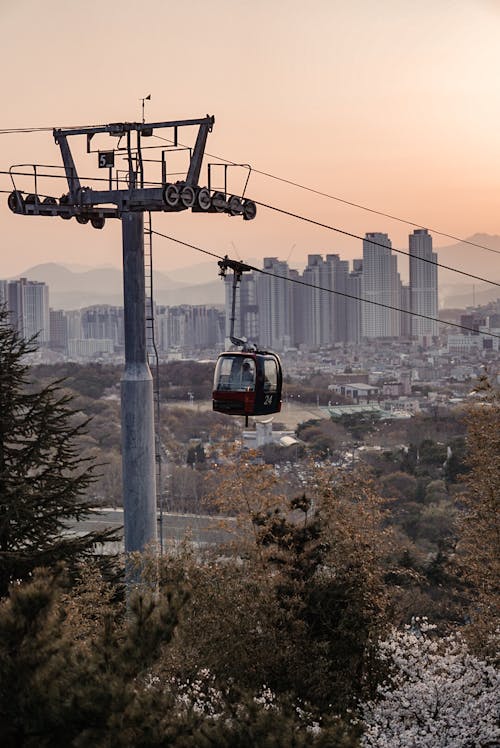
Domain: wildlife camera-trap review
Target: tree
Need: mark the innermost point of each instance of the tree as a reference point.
(299, 603)
(399, 485)
(63, 681)
(479, 541)
(43, 479)
(437, 694)
(75, 670)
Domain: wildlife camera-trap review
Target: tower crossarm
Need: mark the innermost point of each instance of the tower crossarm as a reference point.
(121, 128)
(137, 195)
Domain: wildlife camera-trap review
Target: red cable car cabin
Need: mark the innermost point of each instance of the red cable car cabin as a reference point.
(247, 383)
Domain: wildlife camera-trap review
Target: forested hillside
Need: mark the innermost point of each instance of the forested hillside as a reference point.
(356, 606)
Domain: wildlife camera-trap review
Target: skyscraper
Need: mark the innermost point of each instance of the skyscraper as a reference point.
(3, 292)
(406, 319)
(317, 303)
(274, 302)
(249, 318)
(323, 309)
(423, 285)
(246, 322)
(353, 306)
(28, 303)
(340, 302)
(380, 282)
(58, 330)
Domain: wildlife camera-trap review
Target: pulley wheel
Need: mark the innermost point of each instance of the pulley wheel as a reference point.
(249, 210)
(188, 196)
(98, 222)
(171, 195)
(234, 205)
(15, 201)
(203, 199)
(219, 202)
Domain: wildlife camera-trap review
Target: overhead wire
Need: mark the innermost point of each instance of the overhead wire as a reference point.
(298, 216)
(63, 176)
(23, 130)
(300, 282)
(351, 203)
(377, 212)
(373, 241)
(292, 215)
(284, 180)
(313, 222)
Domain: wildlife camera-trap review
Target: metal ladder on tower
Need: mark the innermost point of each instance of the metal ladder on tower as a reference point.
(153, 359)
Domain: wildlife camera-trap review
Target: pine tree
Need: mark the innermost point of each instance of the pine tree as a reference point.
(43, 480)
(89, 679)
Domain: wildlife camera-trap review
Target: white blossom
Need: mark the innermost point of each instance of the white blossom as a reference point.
(201, 695)
(437, 695)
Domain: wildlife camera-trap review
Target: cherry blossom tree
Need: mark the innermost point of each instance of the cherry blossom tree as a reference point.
(437, 694)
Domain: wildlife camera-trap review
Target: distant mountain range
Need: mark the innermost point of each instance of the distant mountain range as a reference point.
(70, 289)
(73, 287)
(457, 291)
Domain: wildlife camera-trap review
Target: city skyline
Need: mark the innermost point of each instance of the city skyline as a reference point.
(322, 306)
(335, 96)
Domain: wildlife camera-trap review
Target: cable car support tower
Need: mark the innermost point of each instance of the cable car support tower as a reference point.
(127, 198)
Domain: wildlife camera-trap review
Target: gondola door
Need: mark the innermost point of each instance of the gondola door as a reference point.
(268, 387)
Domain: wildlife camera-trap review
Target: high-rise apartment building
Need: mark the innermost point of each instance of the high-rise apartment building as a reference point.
(353, 306)
(192, 327)
(406, 318)
(103, 322)
(3, 292)
(58, 330)
(340, 286)
(274, 300)
(28, 304)
(238, 325)
(297, 313)
(74, 320)
(326, 305)
(317, 304)
(249, 317)
(324, 308)
(380, 283)
(246, 323)
(423, 286)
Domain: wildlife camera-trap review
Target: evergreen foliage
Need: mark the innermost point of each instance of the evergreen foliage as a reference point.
(300, 605)
(43, 480)
(276, 641)
(61, 686)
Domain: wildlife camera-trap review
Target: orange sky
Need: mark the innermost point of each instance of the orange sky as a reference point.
(390, 103)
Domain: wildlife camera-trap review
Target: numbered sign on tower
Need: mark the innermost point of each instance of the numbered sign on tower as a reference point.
(106, 159)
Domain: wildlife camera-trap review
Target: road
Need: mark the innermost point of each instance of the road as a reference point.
(199, 529)
(290, 416)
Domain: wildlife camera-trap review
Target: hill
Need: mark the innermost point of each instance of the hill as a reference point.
(70, 289)
(454, 289)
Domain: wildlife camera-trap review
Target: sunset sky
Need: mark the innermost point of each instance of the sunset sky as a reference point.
(394, 104)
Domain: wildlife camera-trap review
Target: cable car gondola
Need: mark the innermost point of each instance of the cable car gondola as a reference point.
(247, 382)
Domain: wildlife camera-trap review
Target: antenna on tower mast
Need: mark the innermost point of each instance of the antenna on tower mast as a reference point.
(146, 98)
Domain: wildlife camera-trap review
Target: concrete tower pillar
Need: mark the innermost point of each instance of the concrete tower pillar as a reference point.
(138, 440)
